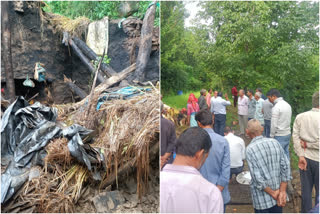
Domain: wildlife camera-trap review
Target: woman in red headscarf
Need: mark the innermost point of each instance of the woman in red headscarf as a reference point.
(193, 108)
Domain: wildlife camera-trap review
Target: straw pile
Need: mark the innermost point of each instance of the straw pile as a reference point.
(125, 131)
(75, 27)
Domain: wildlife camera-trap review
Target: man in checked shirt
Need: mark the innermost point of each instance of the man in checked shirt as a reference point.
(270, 171)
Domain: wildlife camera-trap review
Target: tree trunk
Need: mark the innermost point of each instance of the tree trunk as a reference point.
(145, 43)
(93, 56)
(7, 56)
(76, 90)
(85, 60)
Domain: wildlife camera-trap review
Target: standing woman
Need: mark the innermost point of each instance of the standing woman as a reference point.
(193, 108)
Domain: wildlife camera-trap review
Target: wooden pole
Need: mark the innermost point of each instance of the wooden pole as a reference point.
(7, 55)
(85, 60)
(145, 43)
(107, 69)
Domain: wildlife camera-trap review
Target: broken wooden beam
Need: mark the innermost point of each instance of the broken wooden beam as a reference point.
(145, 43)
(75, 89)
(7, 55)
(85, 60)
(107, 69)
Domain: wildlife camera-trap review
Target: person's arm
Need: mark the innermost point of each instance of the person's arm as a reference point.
(274, 193)
(282, 198)
(296, 137)
(211, 105)
(224, 177)
(243, 149)
(227, 101)
(215, 203)
(311, 145)
(274, 121)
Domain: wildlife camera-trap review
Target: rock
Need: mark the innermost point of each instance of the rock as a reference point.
(106, 202)
(97, 38)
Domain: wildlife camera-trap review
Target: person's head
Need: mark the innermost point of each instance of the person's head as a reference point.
(215, 94)
(192, 98)
(315, 100)
(227, 130)
(210, 91)
(259, 90)
(204, 118)
(257, 95)
(241, 92)
(273, 94)
(203, 92)
(193, 146)
(250, 93)
(220, 94)
(254, 128)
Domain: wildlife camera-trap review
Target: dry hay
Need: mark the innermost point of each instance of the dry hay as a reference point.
(75, 27)
(126, 129)
(40, 195)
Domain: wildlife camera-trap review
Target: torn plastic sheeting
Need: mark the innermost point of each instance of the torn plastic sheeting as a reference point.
(34, 114)
(12, 180)
(84, 153)
(70, 131)
(35, 141)
(8, 122)
(123, 93)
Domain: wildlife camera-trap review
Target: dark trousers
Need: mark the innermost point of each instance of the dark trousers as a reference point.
(235, 100)
(219, 123)
(308, 179)
(274, 209)
(267, 128)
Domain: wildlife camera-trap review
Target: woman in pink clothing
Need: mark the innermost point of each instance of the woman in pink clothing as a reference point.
(193, 108)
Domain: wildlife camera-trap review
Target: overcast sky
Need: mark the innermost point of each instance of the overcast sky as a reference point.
(192, 9)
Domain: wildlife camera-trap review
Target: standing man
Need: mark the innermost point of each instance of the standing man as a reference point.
(202, 100)
(167, 139)
(306, 145)
(251, 105)
(280, 120)
(208, 97)
(267, 112)
(218, 108)
(234, 93)
(216, 169)
(182, 187)
(259, 104)
(262, 95)
(237, 151)
(243, 102)
(270, 171)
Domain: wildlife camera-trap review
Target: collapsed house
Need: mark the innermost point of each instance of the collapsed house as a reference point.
(92, 139)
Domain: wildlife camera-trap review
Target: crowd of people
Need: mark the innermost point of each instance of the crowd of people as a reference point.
(197, 167)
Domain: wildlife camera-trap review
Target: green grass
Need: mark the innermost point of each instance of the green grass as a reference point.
(294, 159)
(179, 101)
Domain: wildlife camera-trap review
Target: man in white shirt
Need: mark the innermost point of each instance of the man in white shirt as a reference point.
(243, 102)
(182, 187)
(259, 105)
(280, 120)
(237, 151)
(218, 108)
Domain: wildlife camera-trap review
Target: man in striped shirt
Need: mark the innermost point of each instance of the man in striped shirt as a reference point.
(270, 171)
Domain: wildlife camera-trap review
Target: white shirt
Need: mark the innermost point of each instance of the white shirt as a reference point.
(237, 150)
(184, 190)
(281, 118)
(258, 114)
(243, 103)
(218, 105)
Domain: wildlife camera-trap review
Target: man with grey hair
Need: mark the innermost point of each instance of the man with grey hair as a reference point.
(306, 145)
(270, 171)
(259, 104)
(202, 100)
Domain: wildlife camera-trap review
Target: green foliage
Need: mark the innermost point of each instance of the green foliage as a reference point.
(248, 44)
(106, 60)
(179, 101)
(96, 10)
